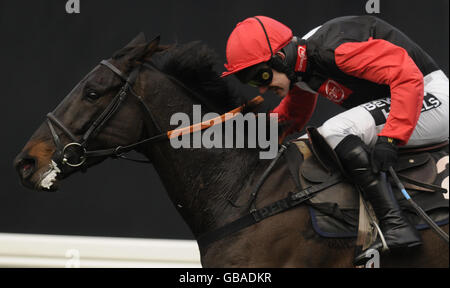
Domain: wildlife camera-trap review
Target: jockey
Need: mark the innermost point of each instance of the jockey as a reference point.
(394, 93)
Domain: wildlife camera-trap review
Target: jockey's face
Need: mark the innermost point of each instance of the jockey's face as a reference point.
(280, 84)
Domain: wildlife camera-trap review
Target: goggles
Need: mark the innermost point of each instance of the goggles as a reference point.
(256, 76)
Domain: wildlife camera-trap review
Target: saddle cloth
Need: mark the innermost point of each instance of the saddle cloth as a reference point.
(335, 211)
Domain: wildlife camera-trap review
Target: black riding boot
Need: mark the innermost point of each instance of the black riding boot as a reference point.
(397, 231)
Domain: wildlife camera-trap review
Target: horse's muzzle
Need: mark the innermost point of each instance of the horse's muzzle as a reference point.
(25, 166)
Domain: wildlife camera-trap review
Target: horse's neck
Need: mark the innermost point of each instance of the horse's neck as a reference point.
(200, 182)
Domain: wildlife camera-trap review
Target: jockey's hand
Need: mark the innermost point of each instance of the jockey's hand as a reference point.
(384, 154)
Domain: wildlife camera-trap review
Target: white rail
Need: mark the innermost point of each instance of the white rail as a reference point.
(32, 250)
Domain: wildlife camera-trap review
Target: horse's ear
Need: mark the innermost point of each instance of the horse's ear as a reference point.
(152, 47)
(138, 40)
(133, 49)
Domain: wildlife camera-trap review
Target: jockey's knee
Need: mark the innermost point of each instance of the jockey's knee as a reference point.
(356, 121)
(334, 132)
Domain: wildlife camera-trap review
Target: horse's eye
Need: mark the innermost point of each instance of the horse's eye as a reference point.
(92, 95)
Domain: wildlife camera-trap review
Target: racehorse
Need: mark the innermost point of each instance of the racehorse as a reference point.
(122, 103)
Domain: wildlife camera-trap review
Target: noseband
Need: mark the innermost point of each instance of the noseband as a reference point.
(75, 153)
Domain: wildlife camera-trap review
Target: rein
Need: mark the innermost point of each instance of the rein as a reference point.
(119, 150)
(78, 147)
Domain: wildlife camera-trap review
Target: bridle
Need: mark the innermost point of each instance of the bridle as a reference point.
(78, 147)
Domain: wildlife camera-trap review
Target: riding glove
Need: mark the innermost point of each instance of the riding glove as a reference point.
(384, 154)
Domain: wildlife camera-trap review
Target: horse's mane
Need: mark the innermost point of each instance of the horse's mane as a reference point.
(193, 64)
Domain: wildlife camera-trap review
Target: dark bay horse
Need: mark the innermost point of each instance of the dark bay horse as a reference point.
(208, 187)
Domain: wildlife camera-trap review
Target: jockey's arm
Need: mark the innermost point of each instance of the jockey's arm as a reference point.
(382, 62)
(297, 108)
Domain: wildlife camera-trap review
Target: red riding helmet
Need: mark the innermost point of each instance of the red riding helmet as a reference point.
(255, 40)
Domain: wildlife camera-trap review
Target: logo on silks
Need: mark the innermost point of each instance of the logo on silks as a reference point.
(334, 91)
(300, 65)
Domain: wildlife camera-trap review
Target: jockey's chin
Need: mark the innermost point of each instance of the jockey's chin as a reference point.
(279, 85)
(281, 92)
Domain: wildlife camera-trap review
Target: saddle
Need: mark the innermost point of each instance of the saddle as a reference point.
(336, 209)
(340, 212)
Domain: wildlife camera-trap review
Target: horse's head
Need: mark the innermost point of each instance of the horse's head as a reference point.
(88, 118)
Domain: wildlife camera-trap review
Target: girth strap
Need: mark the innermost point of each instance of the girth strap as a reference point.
(255, 190)
(293, 200)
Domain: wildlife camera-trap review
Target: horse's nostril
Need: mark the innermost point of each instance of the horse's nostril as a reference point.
(25, 167)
